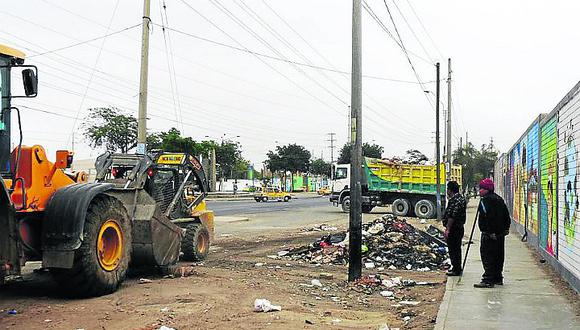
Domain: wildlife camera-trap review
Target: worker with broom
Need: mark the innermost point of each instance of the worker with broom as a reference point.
(494, 223)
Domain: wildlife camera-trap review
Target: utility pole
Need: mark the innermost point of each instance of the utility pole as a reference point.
(355, 216)
(213, 171)
(349, 120)
(448, 132)
(142, 119)
(331, 140)
(437, 148)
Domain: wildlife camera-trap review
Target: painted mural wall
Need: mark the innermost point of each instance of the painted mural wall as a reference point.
(539, 178)
(568, 189)
(548, 231)
(523, 173)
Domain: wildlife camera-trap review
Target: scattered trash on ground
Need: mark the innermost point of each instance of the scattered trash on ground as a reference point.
(387, 242)
(145, 281)
(316, 283)
(264, 305)
(165, 328)
(12, 312)
(322, 227)
(326, 276)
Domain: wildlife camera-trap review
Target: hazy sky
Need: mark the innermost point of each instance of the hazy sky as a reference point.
(511, 61)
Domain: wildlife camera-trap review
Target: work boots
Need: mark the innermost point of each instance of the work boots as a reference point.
(484, 285)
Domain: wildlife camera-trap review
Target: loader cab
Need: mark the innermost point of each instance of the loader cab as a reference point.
(25, 85)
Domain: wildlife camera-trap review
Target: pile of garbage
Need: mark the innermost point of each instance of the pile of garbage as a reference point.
(388, 242)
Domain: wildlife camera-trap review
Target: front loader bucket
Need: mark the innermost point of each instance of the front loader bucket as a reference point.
(156, 240)
(9, 237)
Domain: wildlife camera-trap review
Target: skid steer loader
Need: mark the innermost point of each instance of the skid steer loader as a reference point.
(87, 234)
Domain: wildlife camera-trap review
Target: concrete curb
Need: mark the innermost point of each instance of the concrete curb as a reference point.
(229, 219)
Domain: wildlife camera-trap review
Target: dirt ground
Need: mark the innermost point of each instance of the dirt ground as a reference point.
(220, 294)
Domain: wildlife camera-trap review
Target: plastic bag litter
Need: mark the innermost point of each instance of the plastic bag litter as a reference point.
(165, 328)
(264, 305)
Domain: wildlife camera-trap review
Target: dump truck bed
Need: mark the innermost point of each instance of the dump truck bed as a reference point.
(394, 177)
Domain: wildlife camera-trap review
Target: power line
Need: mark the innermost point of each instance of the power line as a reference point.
(93, 72)
(86, 41)
(412, 31)
(425, 29)
(317, 67)
(345, 75)
(406, 52)
(170, 63)
(371, 12)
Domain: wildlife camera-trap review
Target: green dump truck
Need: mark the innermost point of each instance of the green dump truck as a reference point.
(409, 189)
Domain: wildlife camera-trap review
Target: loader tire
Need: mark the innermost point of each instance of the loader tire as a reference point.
(401, 207)
(264, 199)
(101, 262)
(286, 198)
(195, 243)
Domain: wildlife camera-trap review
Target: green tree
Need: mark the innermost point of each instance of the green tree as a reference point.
(290, 158)
(476, 164)
(111, 128)
(173, 141)
(320, 167)
(368, 150)
(228, 156)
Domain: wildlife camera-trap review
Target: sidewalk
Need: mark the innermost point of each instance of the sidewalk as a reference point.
(527, 300)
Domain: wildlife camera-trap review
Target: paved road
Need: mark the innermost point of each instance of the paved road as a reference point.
(273, 216)
(245, 207)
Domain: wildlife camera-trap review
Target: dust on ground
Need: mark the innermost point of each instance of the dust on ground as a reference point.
(220, 294)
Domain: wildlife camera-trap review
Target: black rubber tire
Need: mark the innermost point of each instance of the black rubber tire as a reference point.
(189, 243)
(425, 209)
(87, 278)
(367, 208)
(286, 198)
(265, 199)
(257, 199)
(345, 204)
(401, 207)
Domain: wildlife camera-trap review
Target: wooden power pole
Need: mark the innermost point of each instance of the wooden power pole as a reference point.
(142, 118)
(355, 216)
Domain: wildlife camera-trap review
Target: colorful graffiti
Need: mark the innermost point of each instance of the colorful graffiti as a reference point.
(570, 180)
(524, 178)
(531, 178)
(568, 174)
(548, 231)
(541, 180)
(517, 184)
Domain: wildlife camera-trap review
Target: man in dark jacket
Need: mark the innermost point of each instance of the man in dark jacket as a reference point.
(494, 224)
(453, 220)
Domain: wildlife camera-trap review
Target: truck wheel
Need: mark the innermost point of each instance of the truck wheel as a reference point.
(264, 199)
(258, 199)
(346, 205)
(425, 209)
(286, 198)
(195, 243)
(367, 208)
(101, 262)
(400, 207)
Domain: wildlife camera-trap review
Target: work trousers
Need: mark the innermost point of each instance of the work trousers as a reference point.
(492, 250)
(454, 247)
